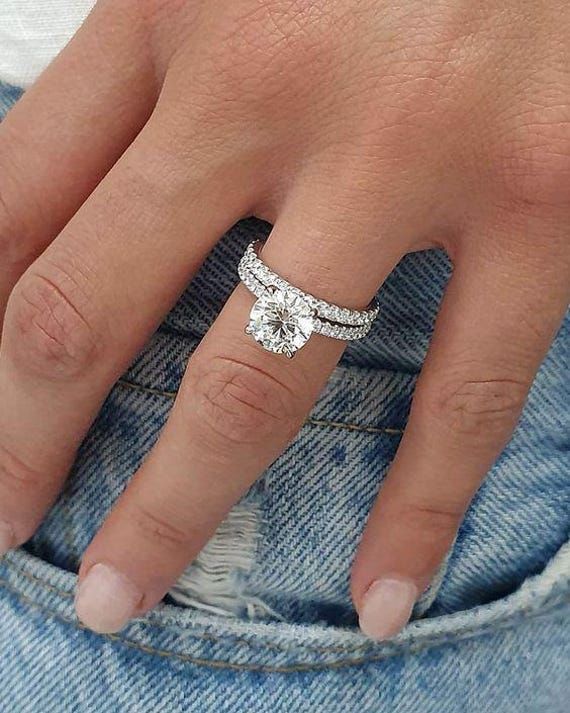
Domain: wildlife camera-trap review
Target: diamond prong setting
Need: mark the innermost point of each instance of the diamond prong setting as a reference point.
(284, 317)
(281, 322)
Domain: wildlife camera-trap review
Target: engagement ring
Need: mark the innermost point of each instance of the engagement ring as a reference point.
(284, 317)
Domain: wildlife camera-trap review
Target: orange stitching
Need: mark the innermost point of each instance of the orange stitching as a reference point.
(293, 668)
(146, 389)
(354, 426)
(187, 657)
(391, 431)
(208, 637)
(33, 578)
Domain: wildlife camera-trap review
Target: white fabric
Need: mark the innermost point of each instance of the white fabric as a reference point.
(32, 32)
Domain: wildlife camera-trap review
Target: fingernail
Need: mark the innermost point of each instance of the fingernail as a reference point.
(6, 538)
(106, 599)
(386, 607)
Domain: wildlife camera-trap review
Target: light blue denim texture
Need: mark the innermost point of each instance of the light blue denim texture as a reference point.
(495, 636)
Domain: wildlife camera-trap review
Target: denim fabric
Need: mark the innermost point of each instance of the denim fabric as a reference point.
(491, 634)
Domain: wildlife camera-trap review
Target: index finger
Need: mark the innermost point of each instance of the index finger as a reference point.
(67, 131)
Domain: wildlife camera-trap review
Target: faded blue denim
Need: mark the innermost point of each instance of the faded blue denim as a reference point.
(495, 636)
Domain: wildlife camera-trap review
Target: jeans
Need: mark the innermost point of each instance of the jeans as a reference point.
(262, 621)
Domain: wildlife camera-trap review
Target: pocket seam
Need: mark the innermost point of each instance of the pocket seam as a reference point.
(260, 668)
(310, 421)
(206, 637)
(390, 649)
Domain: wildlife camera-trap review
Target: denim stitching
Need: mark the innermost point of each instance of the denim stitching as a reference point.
(293, 668)
(522, 613)
(34, 578)
(207, 637)
(388, 430)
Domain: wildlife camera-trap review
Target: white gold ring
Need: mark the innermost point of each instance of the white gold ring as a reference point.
(284, 317)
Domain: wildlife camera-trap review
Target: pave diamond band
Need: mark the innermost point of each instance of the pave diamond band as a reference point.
(284, 317)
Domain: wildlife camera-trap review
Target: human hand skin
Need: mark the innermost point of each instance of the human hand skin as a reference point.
(363, 131)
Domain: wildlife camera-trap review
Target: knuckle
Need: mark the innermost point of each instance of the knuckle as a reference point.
(269, 45)
(439, 518)
(477, 408)
(45, 330)
(433, 523)
(157, 528)
(244, 404)
(534, 162)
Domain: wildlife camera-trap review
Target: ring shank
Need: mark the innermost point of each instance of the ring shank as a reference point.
(330, 320)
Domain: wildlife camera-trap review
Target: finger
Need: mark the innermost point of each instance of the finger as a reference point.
(492, 332)
(67, 131)
(82, 311)
(237, 409)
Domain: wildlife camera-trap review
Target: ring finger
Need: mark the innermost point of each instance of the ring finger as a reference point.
(237, 409)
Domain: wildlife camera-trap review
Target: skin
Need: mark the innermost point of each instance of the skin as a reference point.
(362, 131)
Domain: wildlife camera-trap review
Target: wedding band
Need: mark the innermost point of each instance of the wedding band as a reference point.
(284, 317)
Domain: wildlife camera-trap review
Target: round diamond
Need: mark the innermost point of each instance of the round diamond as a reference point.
(281, 321)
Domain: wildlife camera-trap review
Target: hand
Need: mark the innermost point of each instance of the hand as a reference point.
(385, 129)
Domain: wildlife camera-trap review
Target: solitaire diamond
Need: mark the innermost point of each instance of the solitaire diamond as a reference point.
(284, 317)
(281, 321)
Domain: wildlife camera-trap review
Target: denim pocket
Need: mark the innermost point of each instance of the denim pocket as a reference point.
(493, 657)
(285, 550)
